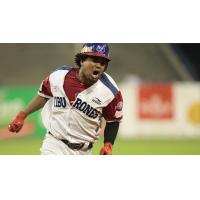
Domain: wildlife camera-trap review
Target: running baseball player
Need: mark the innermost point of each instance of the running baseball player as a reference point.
(74, 101)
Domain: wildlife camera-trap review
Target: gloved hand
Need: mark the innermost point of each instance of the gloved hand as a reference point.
(17, 123)
(107, 149)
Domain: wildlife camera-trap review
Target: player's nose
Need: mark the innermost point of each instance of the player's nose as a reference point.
(98, 65)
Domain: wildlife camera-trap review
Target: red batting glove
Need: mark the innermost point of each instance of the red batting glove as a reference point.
(107, 149)
(17, 123)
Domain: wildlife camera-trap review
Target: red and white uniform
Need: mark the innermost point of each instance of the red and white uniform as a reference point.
(74, 111)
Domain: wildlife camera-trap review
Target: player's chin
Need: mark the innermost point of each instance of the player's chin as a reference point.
(90, 80)
(95, 78)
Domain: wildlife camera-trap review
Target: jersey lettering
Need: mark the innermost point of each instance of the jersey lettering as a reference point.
(93, 114)
(86, 108)
(60, 102)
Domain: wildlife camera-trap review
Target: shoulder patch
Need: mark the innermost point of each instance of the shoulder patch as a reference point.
(105, 80)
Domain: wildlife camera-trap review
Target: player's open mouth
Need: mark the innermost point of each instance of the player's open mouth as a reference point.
(95, 72)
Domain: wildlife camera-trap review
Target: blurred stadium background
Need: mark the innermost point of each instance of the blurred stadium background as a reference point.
(159, 82)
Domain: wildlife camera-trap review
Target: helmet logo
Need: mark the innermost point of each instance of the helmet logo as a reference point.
(101, 48)
(97, 49)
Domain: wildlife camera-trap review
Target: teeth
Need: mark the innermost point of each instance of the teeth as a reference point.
(95, 72)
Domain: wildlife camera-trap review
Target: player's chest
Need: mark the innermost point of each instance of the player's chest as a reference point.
(73, 93)
(72, 88)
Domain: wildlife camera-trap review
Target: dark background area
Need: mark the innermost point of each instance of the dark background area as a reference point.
(190, 55)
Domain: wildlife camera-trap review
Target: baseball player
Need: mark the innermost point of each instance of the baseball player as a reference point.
(74, 102)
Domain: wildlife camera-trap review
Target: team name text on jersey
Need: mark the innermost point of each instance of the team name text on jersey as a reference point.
(60, 102)
(86, 108)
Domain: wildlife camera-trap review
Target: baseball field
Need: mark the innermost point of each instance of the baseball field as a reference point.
(31, 146)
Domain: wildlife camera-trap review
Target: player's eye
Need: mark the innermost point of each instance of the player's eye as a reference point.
(99, 60)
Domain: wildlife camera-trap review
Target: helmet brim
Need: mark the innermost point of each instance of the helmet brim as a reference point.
(97, 55)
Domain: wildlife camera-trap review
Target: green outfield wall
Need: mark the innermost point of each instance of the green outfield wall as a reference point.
(13, 100)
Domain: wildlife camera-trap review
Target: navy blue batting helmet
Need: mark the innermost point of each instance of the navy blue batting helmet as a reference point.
(96, 49)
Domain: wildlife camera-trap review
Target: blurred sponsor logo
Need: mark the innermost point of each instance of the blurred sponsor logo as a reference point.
(9, 108)
(194, 113)
(155, 101)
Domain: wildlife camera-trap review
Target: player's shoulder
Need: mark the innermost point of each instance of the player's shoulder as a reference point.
(109, 82)
(62, 70)
(60, 73)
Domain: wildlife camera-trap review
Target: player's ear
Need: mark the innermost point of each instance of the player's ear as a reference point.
(81, 63)
(106, 67)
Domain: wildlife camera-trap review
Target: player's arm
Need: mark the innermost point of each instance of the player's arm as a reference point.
(38, 102)
(113, 115)
(110, 134)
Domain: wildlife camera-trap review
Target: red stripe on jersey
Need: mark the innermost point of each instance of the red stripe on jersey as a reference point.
(113, 111)
(72, 85)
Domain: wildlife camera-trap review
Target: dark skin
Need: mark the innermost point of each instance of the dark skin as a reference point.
(89, 73)
(91, 69)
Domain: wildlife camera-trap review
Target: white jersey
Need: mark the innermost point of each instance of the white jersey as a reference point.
(74, 111)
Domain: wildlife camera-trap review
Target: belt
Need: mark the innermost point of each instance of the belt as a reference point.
(76, 146)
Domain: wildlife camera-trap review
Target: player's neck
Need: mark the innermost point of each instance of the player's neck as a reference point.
(84, 80)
